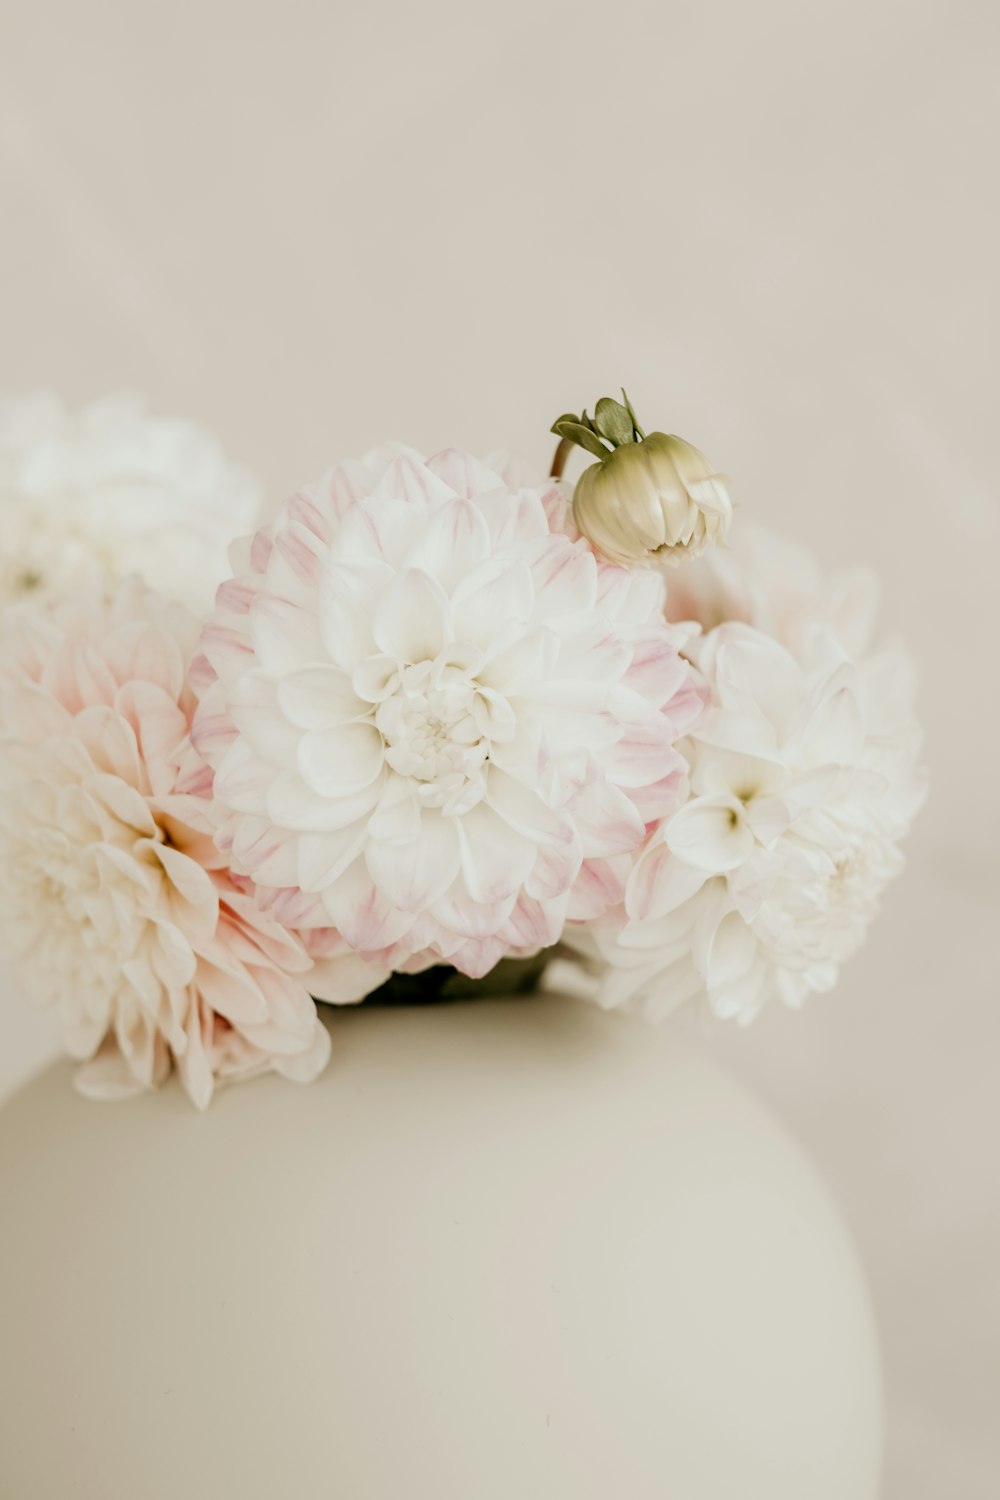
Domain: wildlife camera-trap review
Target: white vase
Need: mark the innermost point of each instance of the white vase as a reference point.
(503, 1250)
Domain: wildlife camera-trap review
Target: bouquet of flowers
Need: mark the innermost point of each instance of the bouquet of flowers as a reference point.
(445, 719)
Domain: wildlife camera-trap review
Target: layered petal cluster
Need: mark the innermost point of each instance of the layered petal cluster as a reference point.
(116, 904)
(436, 722)
(89, 498)
(803, 778)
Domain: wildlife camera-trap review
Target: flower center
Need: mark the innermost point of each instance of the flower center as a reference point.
(436, 731)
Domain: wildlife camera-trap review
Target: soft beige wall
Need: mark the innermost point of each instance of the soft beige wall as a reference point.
(311, 225)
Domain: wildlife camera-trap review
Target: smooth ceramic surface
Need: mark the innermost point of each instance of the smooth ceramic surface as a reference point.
(513, 1248)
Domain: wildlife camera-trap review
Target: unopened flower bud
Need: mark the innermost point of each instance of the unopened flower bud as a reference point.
(649, 499)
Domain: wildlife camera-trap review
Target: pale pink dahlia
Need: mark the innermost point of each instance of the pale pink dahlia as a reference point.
(435, 723)
(116, 901)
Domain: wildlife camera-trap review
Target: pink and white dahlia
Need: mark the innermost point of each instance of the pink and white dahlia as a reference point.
(87, 498)
(435, 722)
(116, 903)
(803, 778)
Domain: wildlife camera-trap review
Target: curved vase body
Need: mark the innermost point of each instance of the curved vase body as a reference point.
(502, 1250)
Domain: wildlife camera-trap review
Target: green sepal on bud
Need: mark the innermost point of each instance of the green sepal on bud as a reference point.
(579, 431)
(612, 426)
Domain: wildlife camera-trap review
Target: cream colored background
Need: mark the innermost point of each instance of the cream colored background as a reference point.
(313, 225)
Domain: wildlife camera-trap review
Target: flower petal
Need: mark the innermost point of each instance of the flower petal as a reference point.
(710, 833)
(414, 874)
(340, 761)
(412, 622)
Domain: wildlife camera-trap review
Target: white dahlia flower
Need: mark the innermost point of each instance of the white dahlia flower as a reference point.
(86, 499)
(116, 903)
(435, 723)
(803, 777)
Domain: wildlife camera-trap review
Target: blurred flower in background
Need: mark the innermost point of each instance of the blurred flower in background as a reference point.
(88, 498)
